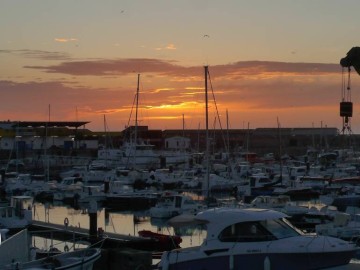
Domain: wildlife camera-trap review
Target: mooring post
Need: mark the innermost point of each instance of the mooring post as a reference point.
(93, 219)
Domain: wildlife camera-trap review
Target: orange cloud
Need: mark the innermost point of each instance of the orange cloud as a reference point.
(168, 117)
(162, 90)
(170, 46)
(181, 105)
(64, 40)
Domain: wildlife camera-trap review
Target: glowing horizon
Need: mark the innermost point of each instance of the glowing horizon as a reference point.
(266, 62)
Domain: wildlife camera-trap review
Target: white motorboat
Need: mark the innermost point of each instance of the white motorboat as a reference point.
(344, 226)
(171, 204)
(257, 239)
(67, 188)
(26, 183)
(281, 203)
(75, 260)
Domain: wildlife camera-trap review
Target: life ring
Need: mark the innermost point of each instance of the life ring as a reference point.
(66, 248)
(66, 221)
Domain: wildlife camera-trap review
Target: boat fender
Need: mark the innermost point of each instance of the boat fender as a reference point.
(66, 222)
(66, 248)
(267, 264)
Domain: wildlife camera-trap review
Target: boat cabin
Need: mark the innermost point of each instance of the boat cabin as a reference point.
(176, 200)
(257, 231)
(18, 214)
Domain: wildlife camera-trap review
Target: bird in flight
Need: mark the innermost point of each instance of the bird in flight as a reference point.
(206, 36)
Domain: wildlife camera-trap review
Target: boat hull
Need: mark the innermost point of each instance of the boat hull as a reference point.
(131, 202)
(76, 260)
(279, 261)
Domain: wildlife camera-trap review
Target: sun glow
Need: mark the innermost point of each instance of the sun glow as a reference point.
(182, 105)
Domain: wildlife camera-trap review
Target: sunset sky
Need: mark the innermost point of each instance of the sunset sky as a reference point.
(268, 60)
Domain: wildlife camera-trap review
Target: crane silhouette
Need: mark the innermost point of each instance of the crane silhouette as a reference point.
(352, 58)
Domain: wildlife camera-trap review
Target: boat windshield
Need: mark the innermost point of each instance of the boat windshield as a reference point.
(168, 200)
(258, 231)
(280, 228)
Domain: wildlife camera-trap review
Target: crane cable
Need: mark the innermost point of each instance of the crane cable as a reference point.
(346, 95)
(348, 85)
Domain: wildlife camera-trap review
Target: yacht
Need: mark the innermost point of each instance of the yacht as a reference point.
(257, 239)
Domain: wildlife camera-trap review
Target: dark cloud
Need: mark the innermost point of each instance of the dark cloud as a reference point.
(259, 67)
(38, 54)
(104, 67)
(282, 92)
(45, 55)
(110, 67)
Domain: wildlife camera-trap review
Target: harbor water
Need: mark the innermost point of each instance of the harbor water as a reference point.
(119, 222)
(123, 223)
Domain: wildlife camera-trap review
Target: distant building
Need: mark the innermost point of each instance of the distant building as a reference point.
(177, 143)
(29, 135)
(72, 138)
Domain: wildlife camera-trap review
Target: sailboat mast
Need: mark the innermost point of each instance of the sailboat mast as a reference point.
(207, 180)
(106, 141)
(227, 145)
(280, 150)
(227, 133)
(136, 108)
(183, 132)
(47, 170)
(136, 122)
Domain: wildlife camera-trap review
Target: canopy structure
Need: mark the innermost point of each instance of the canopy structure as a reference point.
(74, 124)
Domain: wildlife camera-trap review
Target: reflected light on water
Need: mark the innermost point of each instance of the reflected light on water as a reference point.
(126, 223)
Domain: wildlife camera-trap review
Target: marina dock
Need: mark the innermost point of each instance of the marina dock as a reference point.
(125, 251)
(106, 240)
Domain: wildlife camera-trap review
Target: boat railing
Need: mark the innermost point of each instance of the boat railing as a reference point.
(76, 243)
